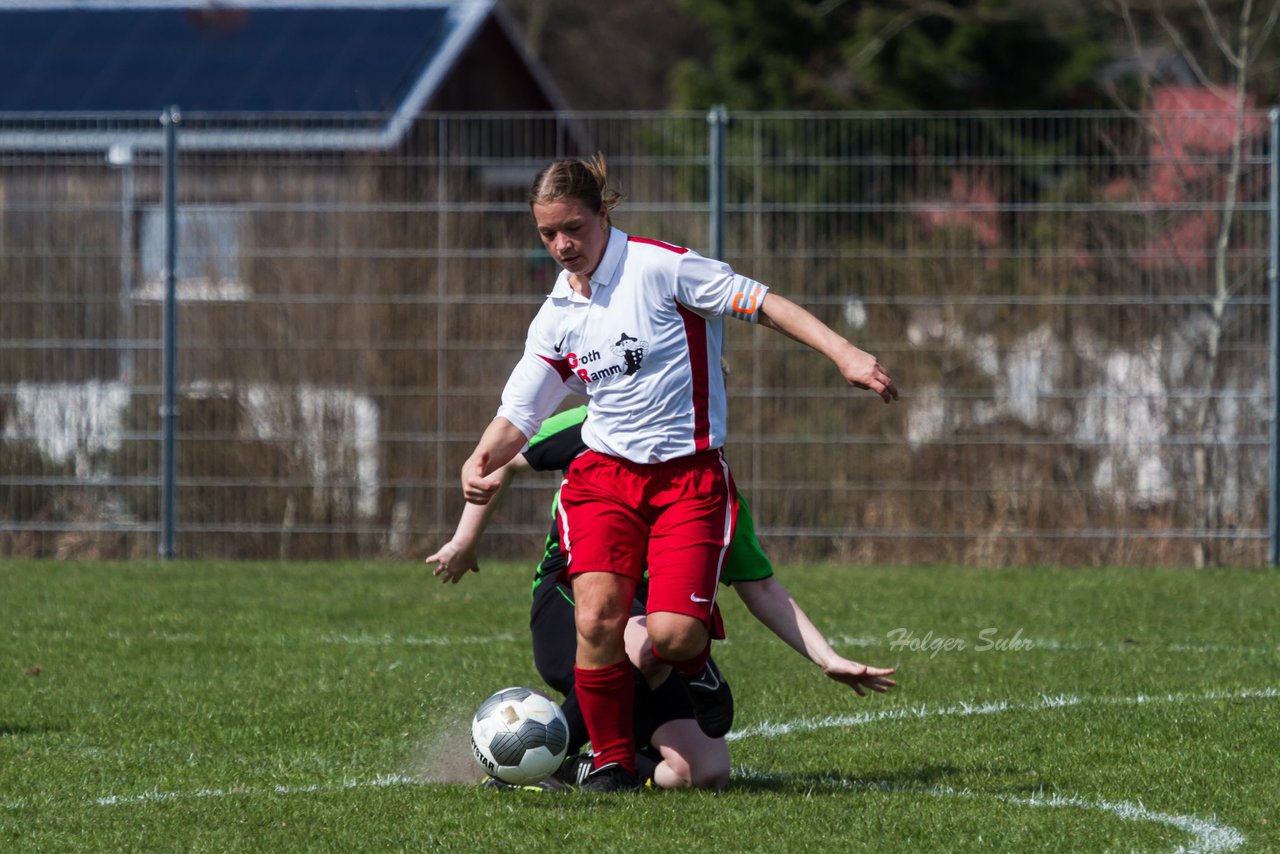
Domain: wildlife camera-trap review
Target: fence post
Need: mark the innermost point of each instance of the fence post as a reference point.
(169, 408)
(1273, 276)
(718, 118)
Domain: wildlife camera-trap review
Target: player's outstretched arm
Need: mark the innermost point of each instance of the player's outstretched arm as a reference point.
(458, 556)
(857, 366)
(771, 604)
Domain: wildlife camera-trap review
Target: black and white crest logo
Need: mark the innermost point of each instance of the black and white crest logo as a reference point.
(632, 350)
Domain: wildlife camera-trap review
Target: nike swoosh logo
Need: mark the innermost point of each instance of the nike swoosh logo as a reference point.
(560, 346)
(694, 597)
(712, 685)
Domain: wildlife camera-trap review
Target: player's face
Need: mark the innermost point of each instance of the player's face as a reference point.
(575, 235)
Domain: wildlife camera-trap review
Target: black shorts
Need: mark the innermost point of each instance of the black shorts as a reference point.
(555, 643)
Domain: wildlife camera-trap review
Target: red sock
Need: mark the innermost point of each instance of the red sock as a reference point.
(605, 695)
(690, 667)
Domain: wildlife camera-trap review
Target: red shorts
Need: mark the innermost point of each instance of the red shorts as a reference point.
(674, 519)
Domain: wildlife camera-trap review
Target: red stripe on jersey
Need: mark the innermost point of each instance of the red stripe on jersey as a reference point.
(679, 250)
(695, 336)
(561, 366)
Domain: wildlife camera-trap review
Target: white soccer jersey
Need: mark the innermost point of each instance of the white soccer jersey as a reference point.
(645, 349)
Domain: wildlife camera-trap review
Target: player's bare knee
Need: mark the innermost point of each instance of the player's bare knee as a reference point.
(674, 649)
(710, 775)
(677, 637)
(600, 627)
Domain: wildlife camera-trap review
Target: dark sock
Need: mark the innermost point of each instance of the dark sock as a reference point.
(577, 726)
(645, 766)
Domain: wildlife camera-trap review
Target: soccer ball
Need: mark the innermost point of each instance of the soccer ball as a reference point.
(519, 736)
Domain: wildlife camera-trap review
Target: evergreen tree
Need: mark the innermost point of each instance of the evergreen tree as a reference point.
(894, 54)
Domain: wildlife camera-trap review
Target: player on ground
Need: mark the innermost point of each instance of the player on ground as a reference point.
(685, 756)
(637, 326)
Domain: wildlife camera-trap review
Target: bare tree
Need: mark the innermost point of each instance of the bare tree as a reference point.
(1220, 46)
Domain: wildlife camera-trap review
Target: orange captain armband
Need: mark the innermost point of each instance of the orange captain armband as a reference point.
(745, 304)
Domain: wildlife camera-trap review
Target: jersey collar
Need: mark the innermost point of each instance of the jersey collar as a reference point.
(604, 270)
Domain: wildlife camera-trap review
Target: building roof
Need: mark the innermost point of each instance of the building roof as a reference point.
(327, 59)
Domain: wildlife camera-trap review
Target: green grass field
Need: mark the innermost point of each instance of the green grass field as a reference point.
(291, 707)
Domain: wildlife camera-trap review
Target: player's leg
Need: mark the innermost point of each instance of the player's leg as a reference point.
(578, 765)
(605, 538)
(640, 651)
(690, 757)
(602, 673)
(686, 756)
(603, 678)
(690, 536)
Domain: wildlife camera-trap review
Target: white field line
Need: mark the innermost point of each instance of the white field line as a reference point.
(1206, 836)
(967, 710)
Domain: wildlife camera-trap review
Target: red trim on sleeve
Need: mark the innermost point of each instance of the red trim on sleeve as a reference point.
(679, 250)
(561, 366)
(695, 335)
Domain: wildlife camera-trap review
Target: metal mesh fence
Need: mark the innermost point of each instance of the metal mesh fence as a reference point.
(1074, 305)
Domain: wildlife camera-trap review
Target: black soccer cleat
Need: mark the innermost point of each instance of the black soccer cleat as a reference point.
(610, 778)
(575, 769)
(712, 700)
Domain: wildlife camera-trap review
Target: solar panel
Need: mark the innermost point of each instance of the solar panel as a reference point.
(320, 59)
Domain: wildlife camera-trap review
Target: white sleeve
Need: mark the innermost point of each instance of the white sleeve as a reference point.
(711, 288)
(534, 390)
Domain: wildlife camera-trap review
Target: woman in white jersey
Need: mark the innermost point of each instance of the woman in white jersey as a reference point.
(637, 326)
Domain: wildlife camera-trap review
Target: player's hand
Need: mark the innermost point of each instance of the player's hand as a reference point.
(452, 562)
(864, 370)
(860, 677)
(479, 485)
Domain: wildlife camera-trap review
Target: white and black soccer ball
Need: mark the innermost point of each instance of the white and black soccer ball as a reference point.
(519, 736)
